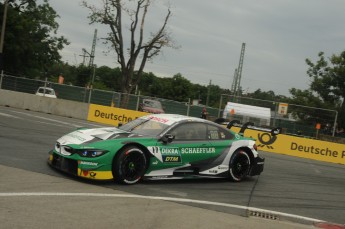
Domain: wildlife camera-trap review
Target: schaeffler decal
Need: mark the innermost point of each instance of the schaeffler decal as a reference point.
(197, 150)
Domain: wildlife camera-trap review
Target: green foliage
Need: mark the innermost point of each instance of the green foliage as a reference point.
(258, 94)
(30, 47)
(306, 98)
(111, 78)
(328, 81)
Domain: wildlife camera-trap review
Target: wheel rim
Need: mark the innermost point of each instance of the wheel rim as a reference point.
(133, 166)
(241, 165)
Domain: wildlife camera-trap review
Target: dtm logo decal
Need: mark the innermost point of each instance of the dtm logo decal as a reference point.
(166, 155)
(267, 140)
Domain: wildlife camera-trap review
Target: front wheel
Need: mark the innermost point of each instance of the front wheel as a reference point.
(239, 165)
(129, 166)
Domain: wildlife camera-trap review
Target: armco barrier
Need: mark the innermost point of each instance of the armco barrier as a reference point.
(281, 144)
(44, 104)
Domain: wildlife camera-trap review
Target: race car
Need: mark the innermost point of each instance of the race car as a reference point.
(157, 146)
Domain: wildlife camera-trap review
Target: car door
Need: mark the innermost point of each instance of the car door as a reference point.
(189, 145)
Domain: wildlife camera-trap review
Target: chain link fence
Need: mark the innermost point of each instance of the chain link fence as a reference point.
(101, 97)
(299, 120)
(296, 119)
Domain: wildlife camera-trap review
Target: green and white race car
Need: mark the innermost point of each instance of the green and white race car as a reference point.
(157, 146)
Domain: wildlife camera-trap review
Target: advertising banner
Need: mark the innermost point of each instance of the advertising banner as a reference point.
(112, 115)
(283, 108)
(298, 146)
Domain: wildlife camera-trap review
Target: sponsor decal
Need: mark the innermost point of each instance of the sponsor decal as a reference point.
(298, 147)
(87, 163)
(315, 150)
(161, 120)
(223, 167)
(112, 115)
(173, 154)
(173, 159)
(90, 174)
(266, 139)
(97, 175)
(170, 151)
(166, 155)
(197, 150)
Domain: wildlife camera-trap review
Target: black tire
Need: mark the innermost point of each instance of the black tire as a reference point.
(129, 166)
(239, 165)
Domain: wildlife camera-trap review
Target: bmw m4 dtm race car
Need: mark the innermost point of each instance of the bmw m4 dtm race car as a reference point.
(157, 146)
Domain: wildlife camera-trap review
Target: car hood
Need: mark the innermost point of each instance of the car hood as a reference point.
(92, 135)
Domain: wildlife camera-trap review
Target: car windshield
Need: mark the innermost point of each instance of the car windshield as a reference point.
(144, 126)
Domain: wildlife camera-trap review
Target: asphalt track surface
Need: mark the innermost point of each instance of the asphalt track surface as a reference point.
(290, 189)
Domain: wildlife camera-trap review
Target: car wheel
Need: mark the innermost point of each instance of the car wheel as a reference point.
(239, 165)
(129, 166)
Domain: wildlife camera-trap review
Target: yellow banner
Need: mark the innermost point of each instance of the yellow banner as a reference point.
(298, 146)
(112, 115)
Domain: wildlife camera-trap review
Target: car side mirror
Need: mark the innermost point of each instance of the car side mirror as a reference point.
(168, 138)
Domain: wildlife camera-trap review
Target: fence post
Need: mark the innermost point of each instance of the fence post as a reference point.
(220, 105)
(119, 102)
(2, 75)
(90, 92)
(138, 101)
(188, 108)
(335, 123)
(275, 113)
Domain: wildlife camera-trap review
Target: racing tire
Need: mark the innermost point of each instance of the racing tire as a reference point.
(129, 166)
(239, 165)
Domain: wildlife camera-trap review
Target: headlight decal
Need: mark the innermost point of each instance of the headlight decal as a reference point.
(91, 153)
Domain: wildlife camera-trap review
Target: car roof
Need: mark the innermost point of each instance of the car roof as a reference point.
(170, 119)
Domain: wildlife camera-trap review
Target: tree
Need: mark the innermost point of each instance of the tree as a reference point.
(306, 99)
(328, 81)
(111, 14)
(30, 46)
(258, 94)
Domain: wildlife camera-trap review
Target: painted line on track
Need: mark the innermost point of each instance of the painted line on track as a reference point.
(59, 122)
(182, 200)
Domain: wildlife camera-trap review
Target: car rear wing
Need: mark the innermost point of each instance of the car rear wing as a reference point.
(251, 126)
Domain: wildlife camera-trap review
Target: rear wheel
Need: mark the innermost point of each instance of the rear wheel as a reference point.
(130, 165)
(239, 165)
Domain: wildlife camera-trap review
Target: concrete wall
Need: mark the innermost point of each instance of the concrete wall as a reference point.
(44, 104)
